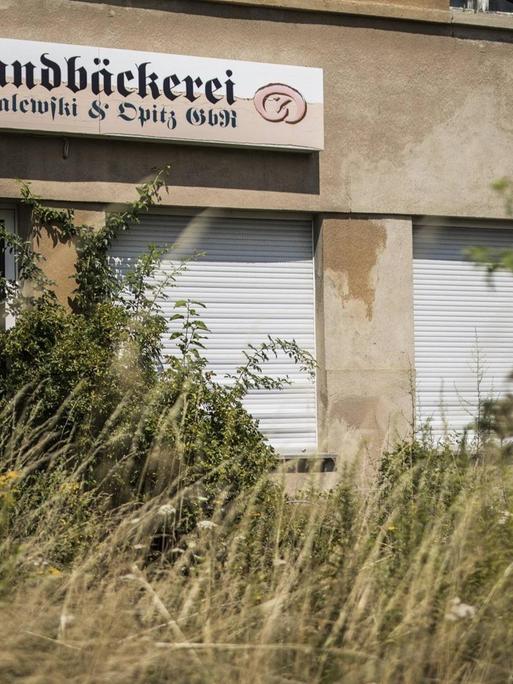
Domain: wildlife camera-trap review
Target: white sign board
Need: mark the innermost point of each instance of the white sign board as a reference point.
(76, 89)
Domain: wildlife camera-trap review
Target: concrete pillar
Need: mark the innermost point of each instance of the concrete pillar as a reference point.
(365, 334)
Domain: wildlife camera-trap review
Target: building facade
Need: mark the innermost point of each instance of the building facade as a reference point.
(357, 250)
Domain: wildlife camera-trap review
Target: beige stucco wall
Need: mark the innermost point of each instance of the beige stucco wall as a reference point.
(417, 121)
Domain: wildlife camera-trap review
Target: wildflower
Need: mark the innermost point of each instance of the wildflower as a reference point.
(459, 611)
(66, 620)
(206, 525)
(69, 487)
(54, 572)
(39, 562)
(166, 510)
(9, 477)
(505, 515)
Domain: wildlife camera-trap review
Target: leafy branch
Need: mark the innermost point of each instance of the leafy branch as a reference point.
(493, 259)
(28, 270)
(96, 281)
(250, 375)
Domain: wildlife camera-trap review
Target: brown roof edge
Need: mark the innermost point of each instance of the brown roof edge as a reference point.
(360, 7)
(386, 10)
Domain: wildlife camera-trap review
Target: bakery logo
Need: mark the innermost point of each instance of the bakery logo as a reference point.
(279, 102)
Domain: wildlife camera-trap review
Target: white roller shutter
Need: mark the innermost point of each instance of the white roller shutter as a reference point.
(463, 323)
(256, 278)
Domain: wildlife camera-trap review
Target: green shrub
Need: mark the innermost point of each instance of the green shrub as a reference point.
(92, 371)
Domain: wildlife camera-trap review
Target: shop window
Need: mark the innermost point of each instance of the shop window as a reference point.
(7, 264)
(484, 5)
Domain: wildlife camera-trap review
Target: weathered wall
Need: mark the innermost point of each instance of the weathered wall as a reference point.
(416, 121)
(364, 291)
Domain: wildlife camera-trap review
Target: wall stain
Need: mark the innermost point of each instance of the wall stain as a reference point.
(357, 412)
(351, 251)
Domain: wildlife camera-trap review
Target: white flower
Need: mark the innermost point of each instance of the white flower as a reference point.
(206, 525)
(166, 510)
(66, 620)
(505, 515)
(202, 498)
(279, 561)
(459, 611)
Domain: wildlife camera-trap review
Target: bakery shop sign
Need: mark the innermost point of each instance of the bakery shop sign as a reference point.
(76, 89)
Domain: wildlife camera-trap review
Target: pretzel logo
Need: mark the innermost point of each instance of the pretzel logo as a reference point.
(279, 102)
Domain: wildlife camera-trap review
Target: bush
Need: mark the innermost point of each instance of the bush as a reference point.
(94, 373)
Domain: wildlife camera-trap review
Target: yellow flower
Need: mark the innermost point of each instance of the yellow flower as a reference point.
(9, 477)
(54, 572)
(69, 487)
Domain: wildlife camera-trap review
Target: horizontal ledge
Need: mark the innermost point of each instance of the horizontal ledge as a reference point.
(494, 20)
(386, 11)
(360, 7)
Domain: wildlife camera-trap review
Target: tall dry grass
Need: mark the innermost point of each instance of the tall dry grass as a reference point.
(408, 580)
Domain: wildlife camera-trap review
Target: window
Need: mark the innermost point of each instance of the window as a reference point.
(463, 324)
(484, 5)
(7, 265)
(256, 277)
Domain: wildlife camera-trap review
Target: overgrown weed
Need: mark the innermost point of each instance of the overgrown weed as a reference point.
(407, 581)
